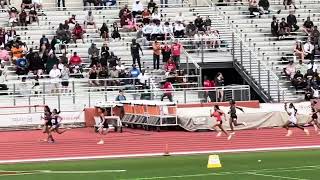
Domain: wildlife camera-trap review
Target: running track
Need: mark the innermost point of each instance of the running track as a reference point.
(19, 146)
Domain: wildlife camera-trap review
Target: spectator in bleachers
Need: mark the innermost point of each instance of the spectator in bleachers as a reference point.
(152, 6)
(124, 18)
(104, 32)
(89, 20)
(36, 65)
(93, 74)
(299, 50)
(198, 22)
(63, 3)
(54, 79)
(275, 27)
(44, 41)
(166, 52)
(308, 48)
(314, 35)
(23, 18)
(207, 23)
(37, 4)
(62, 34)
(113, 60)
(219, 82)
(109, 3)
(123, 10)
(33, 16)
(120, 66)
(66, 25)
(289, 3)
(17, 51)
(147, 30)
(191, 30)
(179, 30)
(170, 67)
(292, 21)
(115, 33)
(167, 88)
(303, 68)
(51, 61)
(121, 96)
(55, 41)
(146, 16)
(254, 8)
(135, 49)
(5, 58)
(75, 60)
(137, 8)
(140, 38)
(156, 16)
(94, 53)
(156, 54)
(77, 33)
(65, 75)
(2, 36)
(114, 73)
(104, 54)
(167, 29)
(27, 4)
(307, 26)
(72, 19)
(312, 67)
(284, 29)
(134, 72)
(157, 33)
(298, 81)
(130, 25)
(22, 66)
(13, 16)
(176, 52)
(103, 74)
(290, 70)
(143, 78)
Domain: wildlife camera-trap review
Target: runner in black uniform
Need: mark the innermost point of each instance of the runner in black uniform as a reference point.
(56, 120)
(102, 126)
(233, 116)
(314, 116)
(47, 123)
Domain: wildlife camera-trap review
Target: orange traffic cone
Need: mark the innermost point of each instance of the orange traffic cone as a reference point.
(166, 150)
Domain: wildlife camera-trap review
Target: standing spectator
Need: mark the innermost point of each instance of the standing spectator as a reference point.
(292, 21)
(137, 8)
(209, 91)
(176, 52)
(104, 32)
(65, 75)
(167, 88)
(275, 27)
(55, 77)
(121, 96)
(89, 20)
(307, 26)
(166, 52)
(219, 82)
(78, 33)
(156, 54)
(63, 4)
(135, 48)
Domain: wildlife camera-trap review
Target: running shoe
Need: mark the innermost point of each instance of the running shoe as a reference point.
(101, 142)
(229, 137)
(219, 134)
(307, 132)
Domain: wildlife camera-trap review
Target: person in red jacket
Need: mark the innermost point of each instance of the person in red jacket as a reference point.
(77, 33)
(75, 60)
(167, 88)
(208, 86)
(170, 67)
(176, 52)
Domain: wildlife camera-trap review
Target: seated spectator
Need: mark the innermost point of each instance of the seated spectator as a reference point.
(17, 51)
(166, 52)
(207, 23)
(264, 4)
(2, 37)
(167, 29)
(298, 81)
(292, 21)
(137, 8)
(113, 60)
(312, 67)
(33, 16)
(104, 32)
(72, 19)
(143, 78)
(36, 65)
(27, 4)
(290, 70)
(157, 33)
(146, 16)
(307, 26)
(89, 20)
(140, 38)
(156, 17)
(37, 4)
(299, 50)
(170, 67)
(5, 58)
(289, 3)
(75, 60)
(275, 26)
(125, 16)
(115, 33)
(22, 66)
(44, 41)
(134, 72)
(130, 25)
(198, 22)
(23, 18)
(284, 29)
(314, 35)
(152, 6)
(308, 48)
(114, 73)
(147, 30)
(105, 51)
(94, 53)
(52, 61)
(78, 33)
(254, 8)
(103, 74)
(191, 30)
(179, 30)
(62, 34)
(66, 25)
(123, 10)
(302, 67)
(13, 16)
(93, 73)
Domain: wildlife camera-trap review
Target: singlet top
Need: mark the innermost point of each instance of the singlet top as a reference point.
(217, 115)
(292, 113)
(233, 110)
(93, 75)
(54, 119)
(47, 118)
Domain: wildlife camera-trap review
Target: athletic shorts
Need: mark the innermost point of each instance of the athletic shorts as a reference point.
(314, 116)
(293, 120)
(233, 116)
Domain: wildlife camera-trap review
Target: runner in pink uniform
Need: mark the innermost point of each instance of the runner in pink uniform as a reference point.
(217, 113)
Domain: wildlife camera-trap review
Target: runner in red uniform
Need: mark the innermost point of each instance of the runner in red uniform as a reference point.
(217, 113)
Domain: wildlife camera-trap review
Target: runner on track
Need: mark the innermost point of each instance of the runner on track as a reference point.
(56, 122)
(292, 112)
(47, 123)
(217, 113)
(102, 126)
(314, 116)
(233, 120)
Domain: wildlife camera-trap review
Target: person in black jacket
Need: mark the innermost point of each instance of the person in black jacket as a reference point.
(275, 27)
(292, 21)
(135, 48)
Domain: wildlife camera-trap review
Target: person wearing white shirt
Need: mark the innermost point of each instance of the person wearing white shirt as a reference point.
(120, 67)
(167, 28)
(137, 8)
(308, 49)
(89, 20)
(179, 30)
(143, 79)
(157, 33)
(147, 30)
(312, 66)
(55, 78)
(156, 17)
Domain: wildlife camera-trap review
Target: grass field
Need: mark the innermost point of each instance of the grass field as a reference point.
(295, 165)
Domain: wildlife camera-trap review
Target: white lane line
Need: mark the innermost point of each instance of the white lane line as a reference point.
(156, 154)
(275, 176)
